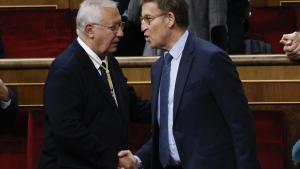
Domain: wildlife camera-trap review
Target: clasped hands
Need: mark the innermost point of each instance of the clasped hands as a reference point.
(291, 44)
(126, 160)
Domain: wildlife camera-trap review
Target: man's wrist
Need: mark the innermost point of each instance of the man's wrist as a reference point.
(138, 162)
(5, 104)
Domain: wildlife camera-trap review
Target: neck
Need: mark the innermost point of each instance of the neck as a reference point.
(174, 36)
(88, 42)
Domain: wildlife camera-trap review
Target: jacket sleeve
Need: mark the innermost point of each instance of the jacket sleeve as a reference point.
(228, 92)
(145, 154)
(9, 114)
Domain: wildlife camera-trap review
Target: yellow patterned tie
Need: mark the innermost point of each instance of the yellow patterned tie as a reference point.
(104, 66)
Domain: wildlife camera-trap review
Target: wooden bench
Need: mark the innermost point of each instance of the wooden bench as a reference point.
(271, 83)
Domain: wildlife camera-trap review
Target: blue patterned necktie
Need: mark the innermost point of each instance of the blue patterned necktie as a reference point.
(164, 150)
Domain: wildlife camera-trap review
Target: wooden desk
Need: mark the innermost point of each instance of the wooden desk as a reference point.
(271, 83)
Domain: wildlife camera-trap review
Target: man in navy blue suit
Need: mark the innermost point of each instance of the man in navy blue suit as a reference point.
(87, 100)
(203, 120)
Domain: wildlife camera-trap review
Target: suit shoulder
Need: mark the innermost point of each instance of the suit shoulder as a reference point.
(67, 60)
(207, 50)
(206, 46)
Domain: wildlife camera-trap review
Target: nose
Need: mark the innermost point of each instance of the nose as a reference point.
(143, 26)
(120, 32)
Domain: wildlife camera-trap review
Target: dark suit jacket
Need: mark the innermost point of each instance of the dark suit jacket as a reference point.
(8, 115)
(213, 126)
(84, 127)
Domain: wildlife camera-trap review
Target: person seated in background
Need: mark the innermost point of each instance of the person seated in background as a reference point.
(8, 106)
(296, 153)
(291, 44)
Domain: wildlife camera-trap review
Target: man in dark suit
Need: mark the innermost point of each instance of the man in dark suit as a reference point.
(8, 107)
(87, 108)
(201, 119)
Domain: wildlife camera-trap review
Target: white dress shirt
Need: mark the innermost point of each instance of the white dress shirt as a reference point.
(176, 52)
(97, 62)
(94, 57)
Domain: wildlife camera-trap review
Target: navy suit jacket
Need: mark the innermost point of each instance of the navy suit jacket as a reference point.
(84, 127)
(8, 115)
(213, 126)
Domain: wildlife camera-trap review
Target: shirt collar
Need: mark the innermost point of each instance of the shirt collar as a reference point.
(94, 57)
(177, 49)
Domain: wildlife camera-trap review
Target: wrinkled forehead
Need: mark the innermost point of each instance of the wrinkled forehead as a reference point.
(110, 15)
(150, 8)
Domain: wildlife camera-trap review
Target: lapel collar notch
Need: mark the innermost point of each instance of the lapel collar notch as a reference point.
(183, 73)
(156, 75)
(92, 72)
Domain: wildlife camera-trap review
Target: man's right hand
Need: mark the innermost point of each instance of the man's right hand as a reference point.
(291, 44)
(4, 94)
(126, 160)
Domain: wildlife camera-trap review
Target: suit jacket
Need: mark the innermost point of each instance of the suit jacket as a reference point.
(84, 127)
(8, 115)
(213, 126)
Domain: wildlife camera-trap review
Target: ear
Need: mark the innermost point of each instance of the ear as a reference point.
(89, 31)
(171, 19)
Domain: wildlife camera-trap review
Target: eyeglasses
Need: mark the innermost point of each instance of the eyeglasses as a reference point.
(113, 28)
(148, 18)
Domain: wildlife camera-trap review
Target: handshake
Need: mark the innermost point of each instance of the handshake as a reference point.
(127, 160)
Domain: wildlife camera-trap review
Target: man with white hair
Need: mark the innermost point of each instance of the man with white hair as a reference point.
(87, 100)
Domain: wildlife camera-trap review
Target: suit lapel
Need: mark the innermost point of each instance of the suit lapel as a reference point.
(117, 82)
(183, 72)
(156, 75)
(93, 73)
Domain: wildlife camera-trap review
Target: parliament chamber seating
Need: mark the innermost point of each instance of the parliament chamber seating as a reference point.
(271, 83)
(268, 24)
(47, 32)
(36, 32)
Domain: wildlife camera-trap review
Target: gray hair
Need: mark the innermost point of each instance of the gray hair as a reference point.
(90, 12)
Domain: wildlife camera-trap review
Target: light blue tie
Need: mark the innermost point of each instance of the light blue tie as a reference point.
(164, 150)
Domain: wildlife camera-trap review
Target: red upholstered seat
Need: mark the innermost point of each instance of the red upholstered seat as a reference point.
(36, 33)
(270, 23)
(270, 132)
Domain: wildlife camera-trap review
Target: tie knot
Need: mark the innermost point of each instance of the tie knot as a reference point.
(103, 64)
(168, 57)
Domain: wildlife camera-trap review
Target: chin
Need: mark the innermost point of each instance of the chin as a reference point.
(112, 50)
(153, 45)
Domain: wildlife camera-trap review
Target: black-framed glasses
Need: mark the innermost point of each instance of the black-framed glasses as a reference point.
(113, 28)
(148, 18)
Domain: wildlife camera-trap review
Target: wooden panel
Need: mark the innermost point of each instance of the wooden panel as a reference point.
(271, 83)
(59, 4)
(273, 92)
(74, 4)
(259, 3)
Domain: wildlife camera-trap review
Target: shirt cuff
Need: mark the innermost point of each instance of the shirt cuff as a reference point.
(138, 162)
(5, 104)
